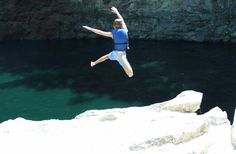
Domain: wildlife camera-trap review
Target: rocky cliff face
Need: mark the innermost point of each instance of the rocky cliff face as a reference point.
(209, 20)
(167, 128)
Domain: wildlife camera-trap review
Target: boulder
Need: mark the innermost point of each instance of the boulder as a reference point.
(187, 101)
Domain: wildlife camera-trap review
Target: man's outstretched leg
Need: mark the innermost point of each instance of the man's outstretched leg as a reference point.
(126, 66)
(100, 60)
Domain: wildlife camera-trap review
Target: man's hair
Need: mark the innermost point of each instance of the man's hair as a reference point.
(117, 23)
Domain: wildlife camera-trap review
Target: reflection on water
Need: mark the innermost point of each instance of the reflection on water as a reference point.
(52, 79)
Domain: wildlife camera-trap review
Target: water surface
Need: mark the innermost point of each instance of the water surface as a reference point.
(53, 80)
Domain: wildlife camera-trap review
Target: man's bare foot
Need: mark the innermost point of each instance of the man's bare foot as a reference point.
(92, 63)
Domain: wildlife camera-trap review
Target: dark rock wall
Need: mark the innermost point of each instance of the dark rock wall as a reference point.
(194, 20)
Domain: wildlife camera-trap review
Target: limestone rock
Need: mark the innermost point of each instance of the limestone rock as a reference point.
(233, 131)
(136, 130)
(219, 132)
(216, 116)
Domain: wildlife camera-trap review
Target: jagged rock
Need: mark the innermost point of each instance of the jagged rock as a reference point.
(149, 19)
(136, 130)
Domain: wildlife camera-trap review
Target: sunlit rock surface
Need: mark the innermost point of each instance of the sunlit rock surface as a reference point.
(167, 127)
(234, 131)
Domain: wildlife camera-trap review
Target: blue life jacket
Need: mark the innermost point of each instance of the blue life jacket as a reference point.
(120, 39)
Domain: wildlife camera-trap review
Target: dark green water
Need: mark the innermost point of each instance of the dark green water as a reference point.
(53, 80)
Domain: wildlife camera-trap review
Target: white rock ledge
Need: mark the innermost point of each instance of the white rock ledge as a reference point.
(167, 128)
(233, 131)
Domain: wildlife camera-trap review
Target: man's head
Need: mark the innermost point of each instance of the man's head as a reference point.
(117, 23)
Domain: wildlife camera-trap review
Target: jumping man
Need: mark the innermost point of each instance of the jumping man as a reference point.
(120, 37)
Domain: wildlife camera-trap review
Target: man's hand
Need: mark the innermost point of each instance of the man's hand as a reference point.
(87, 27)
(114, 10)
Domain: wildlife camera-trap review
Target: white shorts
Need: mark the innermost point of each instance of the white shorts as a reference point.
(115, 56)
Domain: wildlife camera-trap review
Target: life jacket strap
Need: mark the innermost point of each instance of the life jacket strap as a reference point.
(127, 44)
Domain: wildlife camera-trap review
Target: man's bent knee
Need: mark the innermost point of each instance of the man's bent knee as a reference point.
(130, 73)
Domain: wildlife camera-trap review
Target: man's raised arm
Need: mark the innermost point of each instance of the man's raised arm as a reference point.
(99, 32)
(114, 10)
